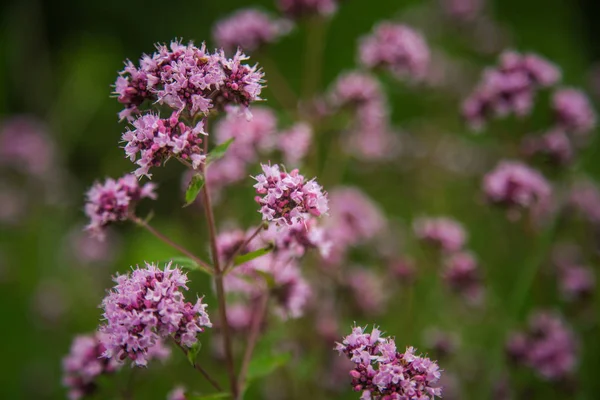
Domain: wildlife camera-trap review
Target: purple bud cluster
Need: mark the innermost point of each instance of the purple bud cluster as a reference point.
(573, 111)
(548, 346)
(516, 186)
(249, 29)
(288, 197)
(84, 364)
(461, 273)
(554, 144)
(147, 306)
(383, 373)
(188, 78)
(113, 201)
(306, 8)
(154, 140)
(445, 233)
(509, 88)
(396, 48)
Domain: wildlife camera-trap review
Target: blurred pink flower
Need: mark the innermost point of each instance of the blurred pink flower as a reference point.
(446, 233)
(573, 110)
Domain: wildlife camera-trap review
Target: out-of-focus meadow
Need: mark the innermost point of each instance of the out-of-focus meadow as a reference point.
(59, 60)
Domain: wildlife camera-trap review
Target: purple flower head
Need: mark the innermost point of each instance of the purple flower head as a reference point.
(576, 282)
(446, 233)
(292, 292)
(554, 145)
(368, 290)
(509, 88)
(548, 346)
(25, 146)
(187, 78)
(154, 140)
(515, 185)
(573, 111)
(355, 89)
(298, 237)
(585, 198)
(177, 393)
(396, 48)
(301, 8)
(242, 84)
(383, 373)
(295, 143)
(288, 197)
(146, 306)
(114, 201)
(461, 274)
(84, 364)
(462, 10)
(249, 29)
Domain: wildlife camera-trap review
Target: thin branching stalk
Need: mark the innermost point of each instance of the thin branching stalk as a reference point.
(242, 246)
(199, 368)
(140, 222)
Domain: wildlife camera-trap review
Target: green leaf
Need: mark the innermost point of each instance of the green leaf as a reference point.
(193, 189)
(264, 364)
(219, 151)
(244, 258)
(193, 353)
(210, 396)
(268, 277)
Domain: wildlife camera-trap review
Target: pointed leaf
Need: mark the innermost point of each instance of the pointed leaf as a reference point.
(268, 277)
(219, 151)
(244, 258)
(193, 189)
(193, 353)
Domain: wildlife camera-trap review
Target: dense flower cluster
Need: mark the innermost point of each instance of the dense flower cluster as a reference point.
(548, 347)
(294, 143)
(446, 233)
(576, 282)
(383, 373)
(555, 145)
(573, 111)
(462, 10)
(368, 289)
(188, 78)
(113, 201)
(26, 147)
(84, 364)
(509, 88)
(303, 8)
(157, 139)
(299, 237)
(288, 197)
(585, 198)
(147, 306)
(515, 185)
(249, 29)
(462, 275)
(396, 48)
(251, 137)
(370, 136)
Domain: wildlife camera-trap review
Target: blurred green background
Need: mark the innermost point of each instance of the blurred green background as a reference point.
(59, 60)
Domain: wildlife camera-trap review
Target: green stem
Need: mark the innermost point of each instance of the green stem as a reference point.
(199, 368)
(242, 246)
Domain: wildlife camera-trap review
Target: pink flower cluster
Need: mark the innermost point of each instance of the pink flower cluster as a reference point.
(383, 373)
(548, 346)
(113, 201)
(288, 197)
(585, 198)
(84, 364)
(462, 10)
(302, 8)
(396, 48)
(147, 306)
(573, 111)
(354, 220)
(188, 78)
(299, 237)
(295, 142)
(576, 282)
(251, 137)
(461, 273)
(509, 88)
(516, 186)
(291, 292)
(370, 136)
(154, 140)
(445, 233)
(555, 145)
(249, 29)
